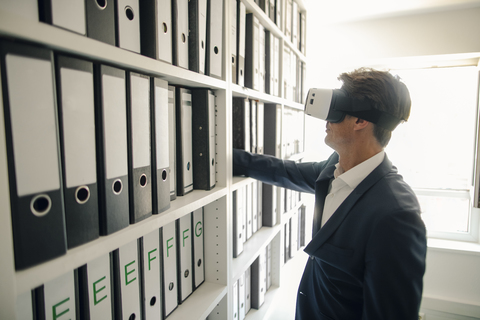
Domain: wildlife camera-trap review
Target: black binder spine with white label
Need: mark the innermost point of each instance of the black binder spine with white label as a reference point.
(76, 106)
(32, 141)
(112, 158)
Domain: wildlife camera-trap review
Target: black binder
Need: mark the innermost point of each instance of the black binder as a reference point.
(197, 25)
(139, 146)
(76, 106)
(100, 20)
(112, 158)
(203, 139)
(241, 123)
(251, 52)
(31, 133)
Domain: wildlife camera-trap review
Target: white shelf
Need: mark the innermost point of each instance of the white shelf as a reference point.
(70, 42)
(199, 305)
(251, 249)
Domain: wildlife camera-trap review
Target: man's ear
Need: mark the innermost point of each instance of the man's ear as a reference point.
(361, 124)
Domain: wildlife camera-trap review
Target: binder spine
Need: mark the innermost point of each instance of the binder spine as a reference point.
(36, 192)
(184, 141)
(139, 147)
(101, 20)
(241, 122)
(78, 157)
(113, 191)
(203, 162)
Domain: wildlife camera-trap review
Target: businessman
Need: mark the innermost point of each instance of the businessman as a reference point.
(367, 254)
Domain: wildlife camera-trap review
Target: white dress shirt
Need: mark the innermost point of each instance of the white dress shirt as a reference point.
(345, 182)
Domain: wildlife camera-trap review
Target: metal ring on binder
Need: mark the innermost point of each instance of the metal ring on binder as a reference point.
(82, 194)
(143, 180)
(40, 205)
(117, 186)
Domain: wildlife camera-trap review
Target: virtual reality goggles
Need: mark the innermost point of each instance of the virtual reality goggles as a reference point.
(333, 104)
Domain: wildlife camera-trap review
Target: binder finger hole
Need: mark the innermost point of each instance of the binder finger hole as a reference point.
(186, 273)
(164, 175)
(215, 50)
(188, 165)
(82, 194)
(41, 205)
(153, 301)
(184, 38)
(132, 317)
(165, 29)
(101, 4)
(143, 180)
(117, 186)
(203, 46)
(129, 13)
(170, 286)
(213, 162)
(199, 262)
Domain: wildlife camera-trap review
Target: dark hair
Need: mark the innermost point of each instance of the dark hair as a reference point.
(387, 91)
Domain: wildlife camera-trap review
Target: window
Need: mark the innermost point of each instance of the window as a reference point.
(435, 149)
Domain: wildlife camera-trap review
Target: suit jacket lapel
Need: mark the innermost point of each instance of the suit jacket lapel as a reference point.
(344, 209)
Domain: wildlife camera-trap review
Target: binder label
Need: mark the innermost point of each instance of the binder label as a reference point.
(98, 290)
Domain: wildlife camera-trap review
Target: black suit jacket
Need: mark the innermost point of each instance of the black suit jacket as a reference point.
(368, 260)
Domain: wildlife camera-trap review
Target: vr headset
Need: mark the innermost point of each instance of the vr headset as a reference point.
(333, 104)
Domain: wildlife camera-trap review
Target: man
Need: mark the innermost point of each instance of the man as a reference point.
(367, 254)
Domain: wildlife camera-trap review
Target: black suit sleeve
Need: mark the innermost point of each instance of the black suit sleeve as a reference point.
(283, 173)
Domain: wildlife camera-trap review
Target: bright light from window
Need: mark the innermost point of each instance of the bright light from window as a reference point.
(434, 150)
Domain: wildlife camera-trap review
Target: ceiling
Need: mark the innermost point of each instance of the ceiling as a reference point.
(335, 11)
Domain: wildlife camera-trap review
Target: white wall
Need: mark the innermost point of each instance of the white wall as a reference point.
(452, 280)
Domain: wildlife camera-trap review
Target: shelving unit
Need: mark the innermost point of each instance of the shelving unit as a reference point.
(212, 298)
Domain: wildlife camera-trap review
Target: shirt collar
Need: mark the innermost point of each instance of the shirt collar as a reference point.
(354, 176)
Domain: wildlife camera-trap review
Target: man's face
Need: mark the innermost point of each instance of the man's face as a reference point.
(340, 135)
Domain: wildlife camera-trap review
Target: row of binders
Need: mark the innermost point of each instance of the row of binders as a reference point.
(255, 53)
(295, 25)
(93, 148)
(249, 204)
(293, 131)
(294, 231)
(294, 77)
(185, 33)
(144, 279)
(250, 289)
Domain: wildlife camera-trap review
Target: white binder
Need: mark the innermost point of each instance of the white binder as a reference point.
(248, 293)
(214, 38)
(151, 271)
(241, 297)
(254, 206)
(233, 39)
(288, 19)
(184, 254)
(258, 277)
(239, 203)
(248, 211)
(24, 306)
(68, 14)
(180, 34)
(294, 234)
(140, 157)
(184, 141)
(126, 273)
(261, 57)
(294, 23)
(253, 126)
(59, 297)
(169, 247)
(163, 137)
(172, 141)
(241, 15)
(156, 29)
(198, 247)
(27, 9)
(269, 267)
(235, 310)
(98, 284)
(276, 66)
(128, 24)
(197, 16)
